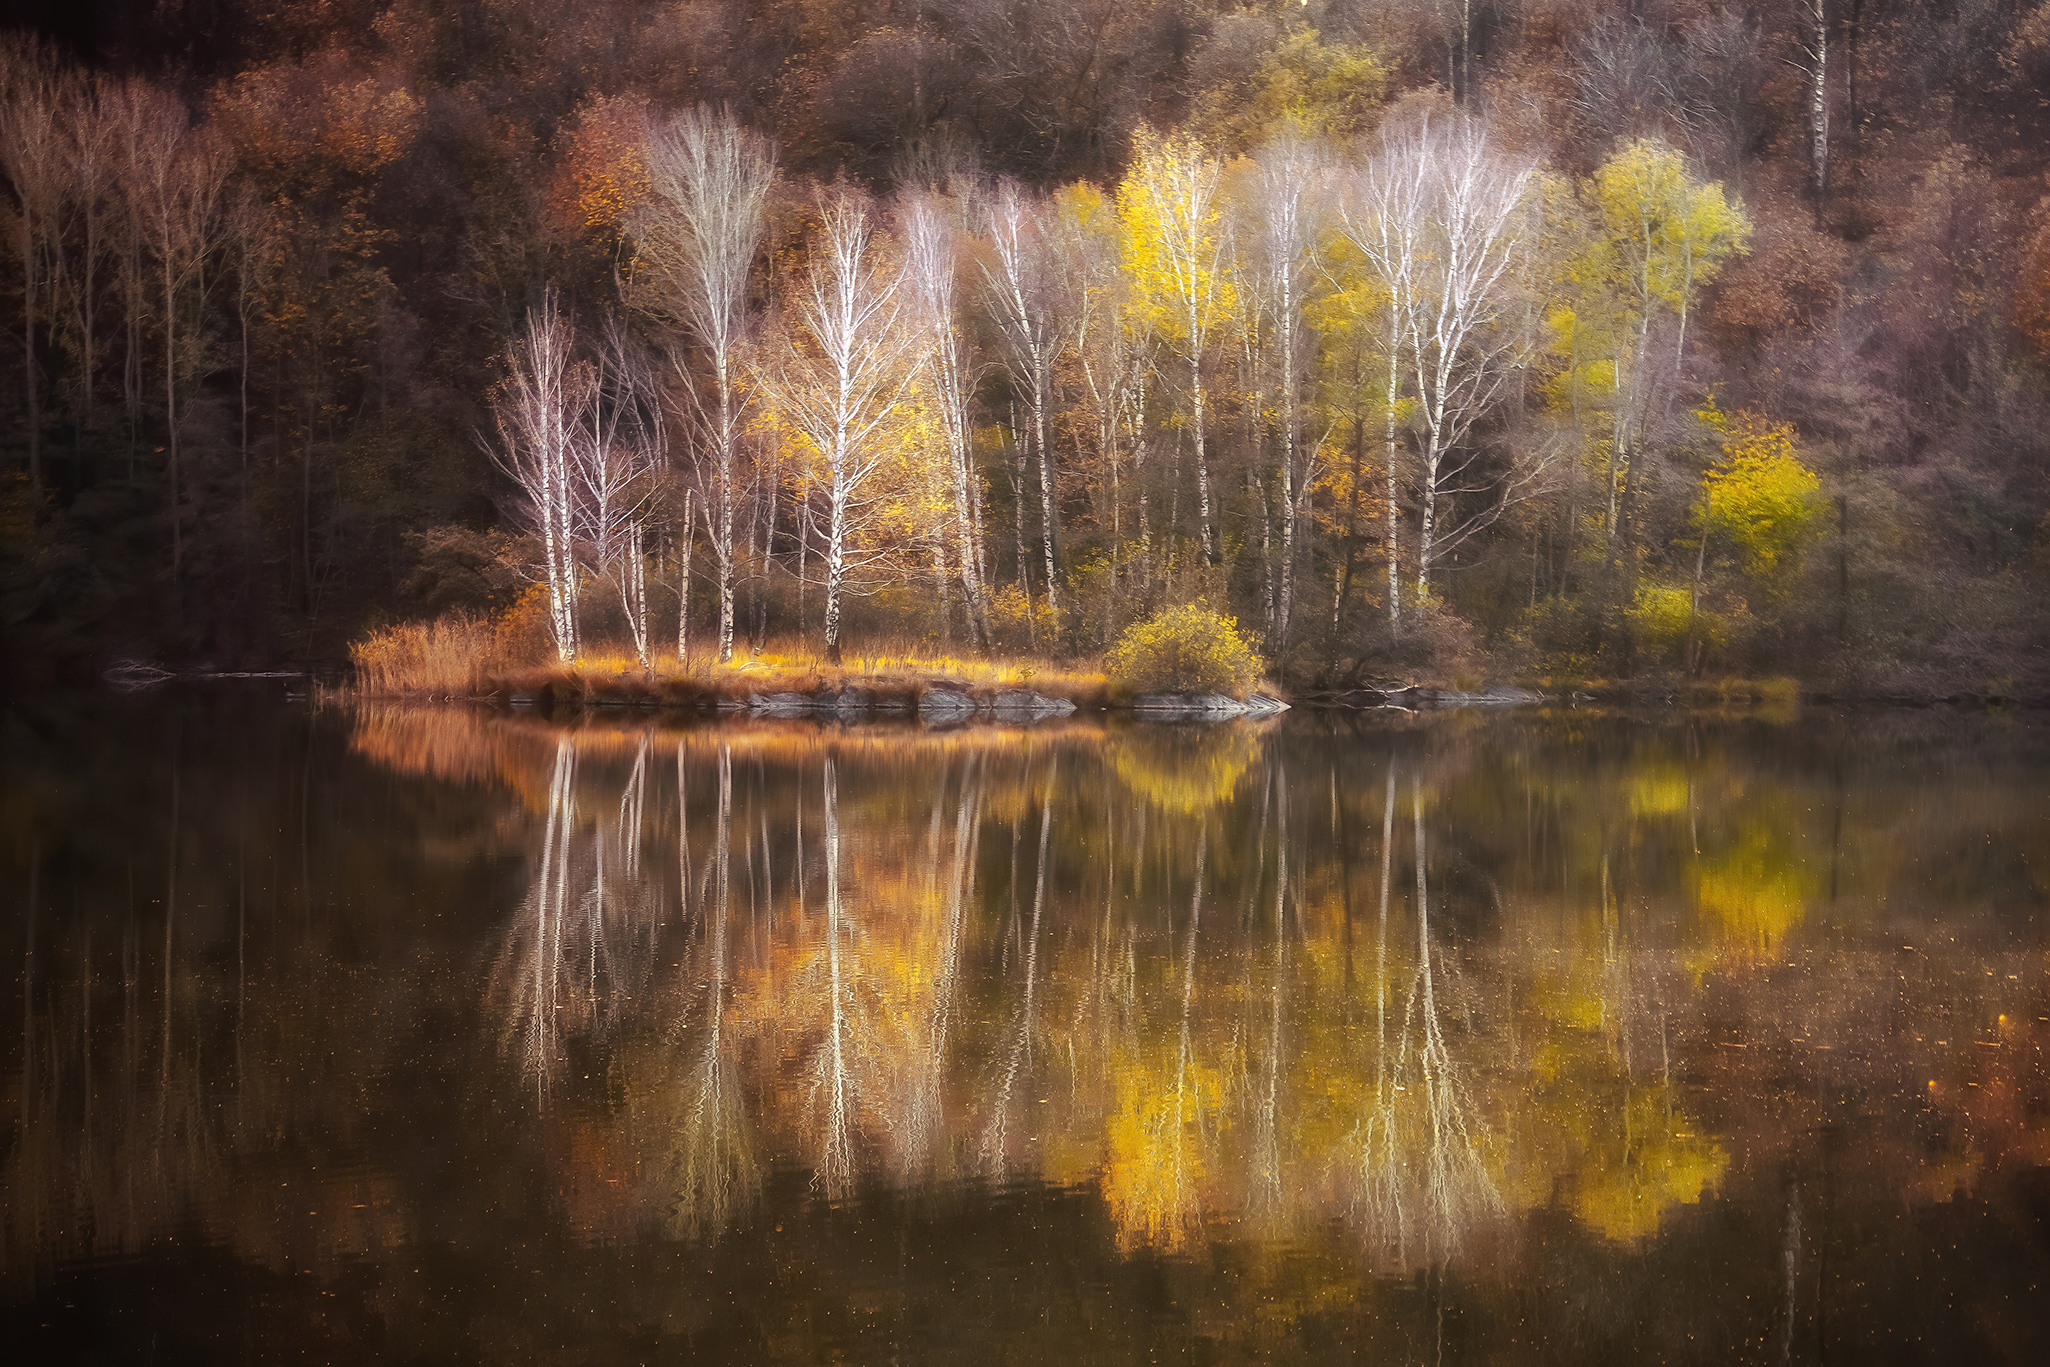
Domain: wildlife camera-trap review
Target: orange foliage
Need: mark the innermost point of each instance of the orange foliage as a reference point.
(2032, 286)
(1790, 275)
(601, 175)
(316, 123)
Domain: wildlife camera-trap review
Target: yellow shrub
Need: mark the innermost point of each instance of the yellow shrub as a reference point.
(1183, 650)
(1665, 619)
(1020, 623)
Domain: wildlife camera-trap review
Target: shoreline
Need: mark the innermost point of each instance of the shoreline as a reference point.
(1022, 690)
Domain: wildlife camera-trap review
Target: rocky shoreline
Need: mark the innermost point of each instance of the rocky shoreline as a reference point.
(945, 705)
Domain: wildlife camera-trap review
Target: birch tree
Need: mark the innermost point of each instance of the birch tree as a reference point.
(176, 177)
(1813, 62)
(616, 450)
(540, 407)
(1444, 220)
(696, 239)
(1112, 346)
(90, 157)
(1018, 286)
(1664, 234)
(1178, 256)
(848, 364)
(1462, 328)
(1289, 178)
(931, 241)
(1383, 215)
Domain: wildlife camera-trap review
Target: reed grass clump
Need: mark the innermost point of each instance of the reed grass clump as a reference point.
(446, 657)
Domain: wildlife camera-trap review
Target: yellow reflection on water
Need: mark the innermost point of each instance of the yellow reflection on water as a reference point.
(1238, 987)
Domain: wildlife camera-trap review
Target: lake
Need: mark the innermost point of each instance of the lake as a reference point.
(1542, 1035)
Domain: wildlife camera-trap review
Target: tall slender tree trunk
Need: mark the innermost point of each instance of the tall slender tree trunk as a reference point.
(1019, 460)
(171, 421)
(836, 567)
(1285, 598)
(31, 390)
(1145, 509)
(1691, 655)
(242, 375)
(633, 589)
(722, 537)
(968, 551)
(1205, 530)
(1818, 100)
(683, 555)
(1048, 524)
(1393, 539)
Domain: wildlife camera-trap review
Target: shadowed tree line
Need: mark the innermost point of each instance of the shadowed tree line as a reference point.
(1522, 337)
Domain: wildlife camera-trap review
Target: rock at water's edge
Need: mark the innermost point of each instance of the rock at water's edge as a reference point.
(779, 705)
(940, 704)
(1204, 706)
(1020, 702)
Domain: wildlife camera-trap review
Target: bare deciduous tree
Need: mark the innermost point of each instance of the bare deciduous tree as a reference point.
(696, 239)
(1442, 220)
(617, 452)
(1383, 217)
(846, 368)
(1290, 180)
(175, 176)
(32, 94)
(1467, 334)
(540, 405)
(930, 238)
(1019, 290)
(90, 154)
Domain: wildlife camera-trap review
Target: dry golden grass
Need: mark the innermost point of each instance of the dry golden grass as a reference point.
(460, 657)
(445, 658)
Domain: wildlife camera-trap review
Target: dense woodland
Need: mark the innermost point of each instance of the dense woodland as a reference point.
(1543, 337)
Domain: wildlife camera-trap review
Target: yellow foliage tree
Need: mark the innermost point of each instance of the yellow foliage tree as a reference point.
(1302, 85)
(1659, 235)
(1176, 255)
(1759, 496)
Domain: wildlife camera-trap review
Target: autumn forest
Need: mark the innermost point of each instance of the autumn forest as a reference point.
(1545, 339)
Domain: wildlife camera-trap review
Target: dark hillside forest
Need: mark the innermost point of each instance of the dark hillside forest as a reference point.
(1544, 338)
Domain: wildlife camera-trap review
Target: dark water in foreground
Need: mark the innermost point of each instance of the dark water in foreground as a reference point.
(440, 1036)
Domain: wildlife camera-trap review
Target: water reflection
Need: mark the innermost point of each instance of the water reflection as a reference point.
(1425, 1179)
(1450, 998)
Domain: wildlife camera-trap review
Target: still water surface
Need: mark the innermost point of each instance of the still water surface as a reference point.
(449, 1035)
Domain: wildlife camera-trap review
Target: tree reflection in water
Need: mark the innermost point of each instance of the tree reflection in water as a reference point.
(1571, 1017)
(834, 1088)
(1163, 1119)
(919, 1132)
(713, 1164)
(577, 957)
(1424, 1182)
(905, 1027)
(1016, 1059)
